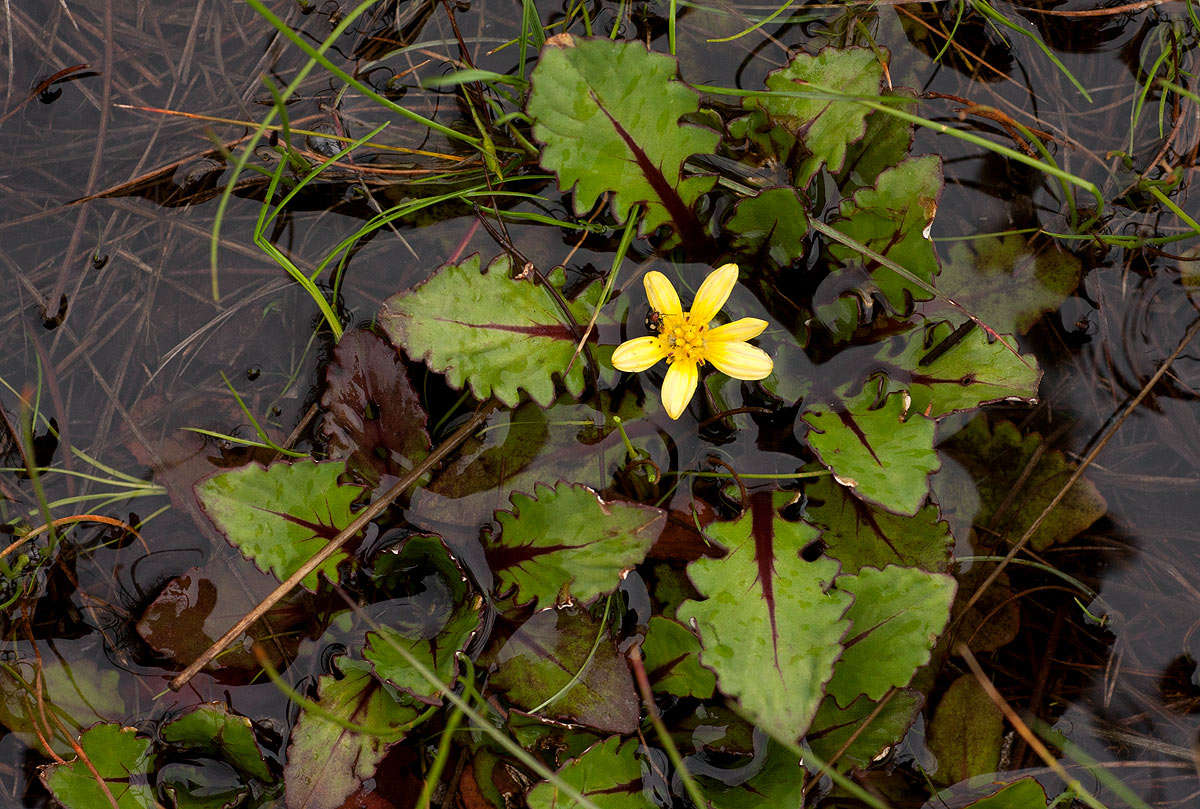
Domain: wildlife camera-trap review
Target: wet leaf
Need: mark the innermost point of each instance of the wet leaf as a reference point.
(1005, 281)
(945, 370)
(609, 774)
(858, 534)
(446, 618)
(884, 454)
(120, 757)
(893, 219)
(832, 727)
(437, 653)
(966, 732)
(608, 115)
(280, 515)
(672, 660)
(770, 624)
(994, 620)
(888, 141)
(492, 333)
(79, 693)
(212, 728)
(327, 762)
(1012, 495)
(544, 669)
(774, 222)
(566, 538)
(201, 784)
(778, 782)
(896, 617)
(825, 126)
(372, 417)
(1026, 793)
(193, 609)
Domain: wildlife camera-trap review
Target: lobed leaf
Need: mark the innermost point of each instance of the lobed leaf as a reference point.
(608, 774)
(883, 453)
(772, 223)
(120, 757)
(566, 539)
(770, 624)
(493, 333)
(672, 659)
(278, 516)
(608, 115)
(212, 728)
(833, 727)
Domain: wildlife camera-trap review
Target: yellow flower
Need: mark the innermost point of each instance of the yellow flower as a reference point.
(686, 341)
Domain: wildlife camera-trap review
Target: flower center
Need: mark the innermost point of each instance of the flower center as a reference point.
(682, 340)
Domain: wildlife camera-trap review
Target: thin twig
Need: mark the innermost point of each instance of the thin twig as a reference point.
(369, 513)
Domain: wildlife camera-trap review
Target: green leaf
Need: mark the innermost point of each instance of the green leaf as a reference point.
(858, 534)
(774, 223)
(201, 784)
(563, 665)
(447, 618)
(888, 141)
(120, 757)
(770, 623)
(608, 114)
(372, 417)
(825, 126)
(896, 617)
(779, 784)
(437, 653)
(79, 694)
(279, 516)
(567, 538)
(1004, 281)
(493, 333)
(947, 370)
(965, 733)
(833, 727)
(327, 762)
(1023, 794)
(1013, 495)
(213, 728)
(608, 774)
(893, 219)
(672, 659)
(884, 453)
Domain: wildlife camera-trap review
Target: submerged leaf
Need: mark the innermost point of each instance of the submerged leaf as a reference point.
(896, 617)
(770, 624)
(778, 783)
(825, 125)
(280, 515)
(608, 114)
(563, 665)
(947, 370)
(493, 333)
(372, 417)
(326, 762)
(608, 774)
(567, 539)
(966, 732)
(1026, 793)
(1013, 495)
(120, 757)
(79, 694)
(1004, 281)
(858, 534)
(885, 453)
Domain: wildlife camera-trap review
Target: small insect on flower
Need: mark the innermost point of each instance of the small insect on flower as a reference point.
(687, 341)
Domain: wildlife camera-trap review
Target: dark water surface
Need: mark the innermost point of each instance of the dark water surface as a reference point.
(110, 321)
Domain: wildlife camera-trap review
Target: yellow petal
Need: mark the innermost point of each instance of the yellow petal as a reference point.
(713, 293)
(661, 294)
(679, 386)
(638, 354)
(739, 360)
(738, 330)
